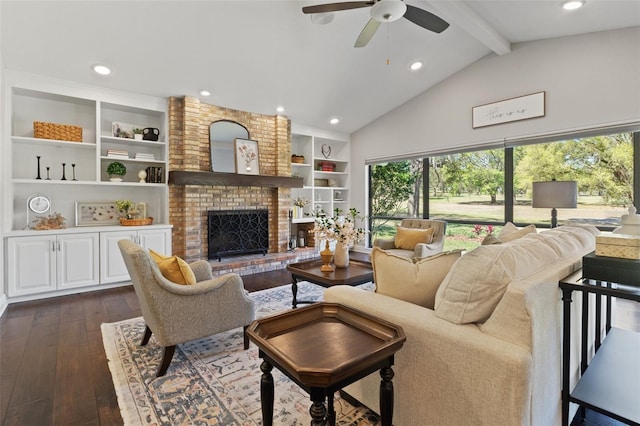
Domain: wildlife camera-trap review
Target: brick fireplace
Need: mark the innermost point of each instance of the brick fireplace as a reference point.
(189, 121)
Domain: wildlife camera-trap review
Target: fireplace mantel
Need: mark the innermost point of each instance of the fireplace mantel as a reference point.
(181, 177)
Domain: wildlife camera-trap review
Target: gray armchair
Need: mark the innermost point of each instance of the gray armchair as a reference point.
(421, 249)
(179, 313)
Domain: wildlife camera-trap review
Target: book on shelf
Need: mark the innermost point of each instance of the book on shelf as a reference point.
(143, 156)
(118, 153)
(154, 174)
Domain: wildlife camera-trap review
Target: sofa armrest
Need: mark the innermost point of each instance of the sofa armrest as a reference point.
(425, 250)
(445, 373)
(385, 243)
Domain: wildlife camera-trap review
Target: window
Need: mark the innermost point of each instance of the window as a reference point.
(478, 191)
(602, 166)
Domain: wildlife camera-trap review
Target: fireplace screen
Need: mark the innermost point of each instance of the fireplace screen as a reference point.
(233, 232)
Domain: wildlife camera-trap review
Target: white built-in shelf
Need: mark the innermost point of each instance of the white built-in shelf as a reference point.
(52, 142)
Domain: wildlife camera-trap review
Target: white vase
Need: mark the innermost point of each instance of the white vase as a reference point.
(341, 255)
(298, 212)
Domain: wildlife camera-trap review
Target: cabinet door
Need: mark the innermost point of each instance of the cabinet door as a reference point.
(77, 260)
(31, 265)
(112, 267)
(156, 239)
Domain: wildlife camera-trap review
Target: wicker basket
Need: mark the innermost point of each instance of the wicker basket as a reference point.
(136, 222)
(298, 159)
(59, 132)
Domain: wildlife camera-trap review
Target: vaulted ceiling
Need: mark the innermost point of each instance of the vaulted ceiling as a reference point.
(256, 55)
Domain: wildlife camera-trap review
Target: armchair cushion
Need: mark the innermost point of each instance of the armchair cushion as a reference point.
(174, 268)
(410, 279)
(409, 238)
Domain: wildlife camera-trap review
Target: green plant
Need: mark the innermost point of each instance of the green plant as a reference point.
(117, 169)
(137, 131)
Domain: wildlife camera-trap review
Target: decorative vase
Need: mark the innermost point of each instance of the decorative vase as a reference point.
(326, 256)
(298, 213)
(115, 178)
(341, 257)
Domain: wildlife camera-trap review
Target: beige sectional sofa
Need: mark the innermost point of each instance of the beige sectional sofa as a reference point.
(490, 351)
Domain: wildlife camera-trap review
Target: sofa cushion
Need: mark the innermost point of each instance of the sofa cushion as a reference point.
(475, 285)
(412, 280)
(408, 238)
(174, 268)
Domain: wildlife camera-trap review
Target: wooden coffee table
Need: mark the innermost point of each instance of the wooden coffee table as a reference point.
(323, 348)
(358, 272)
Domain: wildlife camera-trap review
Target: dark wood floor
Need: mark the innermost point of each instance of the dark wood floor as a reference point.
(53, 370)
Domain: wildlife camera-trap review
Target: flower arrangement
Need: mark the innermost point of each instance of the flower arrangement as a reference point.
(341, 228)
(301, 202)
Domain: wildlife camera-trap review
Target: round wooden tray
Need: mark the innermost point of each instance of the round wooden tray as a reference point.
(136, 222)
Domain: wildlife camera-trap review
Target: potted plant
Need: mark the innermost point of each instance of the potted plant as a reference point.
(137, 133)
(124, 206)
(115, 171)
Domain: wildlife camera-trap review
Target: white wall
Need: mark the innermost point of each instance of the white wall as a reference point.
(590, 81)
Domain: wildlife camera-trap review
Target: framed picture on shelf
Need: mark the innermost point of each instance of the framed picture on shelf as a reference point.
(97, 213)
(246, 152)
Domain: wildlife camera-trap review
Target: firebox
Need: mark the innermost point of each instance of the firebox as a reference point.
(235, 232)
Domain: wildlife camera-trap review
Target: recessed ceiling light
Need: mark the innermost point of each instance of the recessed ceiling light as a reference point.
(572, 5)
(205, 93)
(416, 65)
(280, 109)
(102, 69)
(334, 121)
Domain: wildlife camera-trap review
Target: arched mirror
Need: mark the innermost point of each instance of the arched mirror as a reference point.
(222, 134)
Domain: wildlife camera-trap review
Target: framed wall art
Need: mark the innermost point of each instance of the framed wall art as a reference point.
(246, 157)
(97, 213)
(515, 109)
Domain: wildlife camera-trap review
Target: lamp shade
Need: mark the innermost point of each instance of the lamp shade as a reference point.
(555, 194)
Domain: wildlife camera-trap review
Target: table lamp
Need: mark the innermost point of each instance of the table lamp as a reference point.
(555, 195)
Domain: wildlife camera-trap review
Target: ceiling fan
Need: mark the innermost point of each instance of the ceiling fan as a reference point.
(383, 11)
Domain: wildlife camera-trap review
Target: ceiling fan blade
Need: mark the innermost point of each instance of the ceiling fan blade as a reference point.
(367, 32)
(426, 19)
(335, 7)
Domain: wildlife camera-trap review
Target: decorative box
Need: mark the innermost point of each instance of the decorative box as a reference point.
(611, 269)
(618, 245)
(60, 132)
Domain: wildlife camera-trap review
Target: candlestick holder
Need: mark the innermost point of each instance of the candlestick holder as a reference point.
(63, 176)
(38, 176)
(48, 178)
(73, 170)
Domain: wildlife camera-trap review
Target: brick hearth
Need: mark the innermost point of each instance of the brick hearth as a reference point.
(257, 263)
(189, 122)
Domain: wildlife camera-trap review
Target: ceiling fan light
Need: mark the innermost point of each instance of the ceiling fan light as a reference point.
(388, 10)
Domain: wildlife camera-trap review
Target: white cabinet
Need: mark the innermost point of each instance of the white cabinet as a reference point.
(325, 171)
(40, 264)
(112, 267)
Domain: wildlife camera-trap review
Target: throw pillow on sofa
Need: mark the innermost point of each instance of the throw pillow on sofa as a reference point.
(412, 280)
(510, 232)
(409, 238)
(174, 268)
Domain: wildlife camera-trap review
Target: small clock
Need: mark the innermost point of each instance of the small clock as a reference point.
(38, 204)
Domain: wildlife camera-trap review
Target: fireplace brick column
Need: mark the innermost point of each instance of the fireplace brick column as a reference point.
(189, 122)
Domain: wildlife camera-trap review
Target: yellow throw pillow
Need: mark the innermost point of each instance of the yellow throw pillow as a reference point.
(408, 238)
(174, 268)
(412, 280)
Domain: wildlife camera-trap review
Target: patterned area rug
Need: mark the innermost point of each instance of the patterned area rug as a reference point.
(211, 381)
